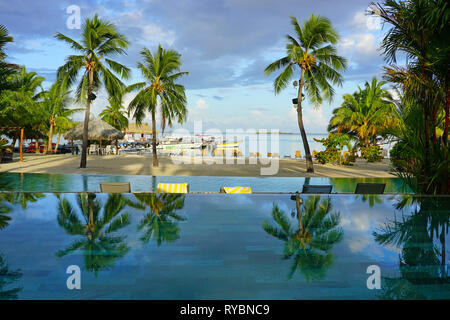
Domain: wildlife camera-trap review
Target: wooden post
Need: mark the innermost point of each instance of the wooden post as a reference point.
(71, 142)
(21, 145)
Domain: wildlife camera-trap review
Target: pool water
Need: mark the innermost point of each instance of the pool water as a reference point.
(139, 183)
(217, 246)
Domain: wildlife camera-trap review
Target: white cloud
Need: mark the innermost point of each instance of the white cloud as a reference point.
(361, 20)
(150, 32)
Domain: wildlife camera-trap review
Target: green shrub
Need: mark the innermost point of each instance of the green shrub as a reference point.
(327, 156)
(371, 153)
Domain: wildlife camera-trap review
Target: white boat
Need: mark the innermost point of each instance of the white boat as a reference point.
(179, 146)
(228, 145)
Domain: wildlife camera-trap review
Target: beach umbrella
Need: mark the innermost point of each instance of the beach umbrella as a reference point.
(98, 130)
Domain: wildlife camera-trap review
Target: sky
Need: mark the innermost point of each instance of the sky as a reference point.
(224, 45)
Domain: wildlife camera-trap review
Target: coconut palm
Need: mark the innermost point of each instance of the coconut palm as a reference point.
(97, 228)
(161, 70)
(100, 39)
(314, 54)
(115, 115)
(366, 114)
(310, 242)
(160, 221)
(54, 105)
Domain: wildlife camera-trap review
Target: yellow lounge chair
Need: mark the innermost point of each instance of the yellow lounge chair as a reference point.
(172, 188)
(236, 190)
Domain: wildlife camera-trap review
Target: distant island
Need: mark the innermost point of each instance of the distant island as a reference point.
(278, 133)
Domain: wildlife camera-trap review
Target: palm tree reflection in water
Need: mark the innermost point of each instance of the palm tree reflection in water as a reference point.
(8, 277)
(310, 241)
(421, 239)
(100, 247)
(160, 223)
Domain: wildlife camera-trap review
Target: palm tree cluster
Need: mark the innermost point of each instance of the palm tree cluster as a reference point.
(92, 68)
(25, 104)
(44, 113)
(420, 30)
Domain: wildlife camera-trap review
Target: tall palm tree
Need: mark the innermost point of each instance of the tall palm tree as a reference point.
(115, 115)
(366, 114)
(54, 105)
(317, 231)
(314, 54)
(160, 221)
(98, 242)
(161, 71)
(100, 39)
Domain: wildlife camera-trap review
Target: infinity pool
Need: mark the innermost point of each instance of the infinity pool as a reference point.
(78, 183)
(217, 246)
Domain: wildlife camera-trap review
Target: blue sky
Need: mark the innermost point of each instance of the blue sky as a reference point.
(225, 46)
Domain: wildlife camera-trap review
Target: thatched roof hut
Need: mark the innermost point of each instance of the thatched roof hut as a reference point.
(98, 130)
(142, 128)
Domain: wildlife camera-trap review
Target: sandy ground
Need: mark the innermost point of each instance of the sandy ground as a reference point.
(142, 165)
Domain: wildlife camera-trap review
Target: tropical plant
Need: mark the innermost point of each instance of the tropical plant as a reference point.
(313, 52)
(310, 241)
(6, 69)
(420, 30)
(98, 242)
(161, 70)
(19, 106)
(54, 106)
(115, 115)
(100, 39)
(366, 115)
(161, 220)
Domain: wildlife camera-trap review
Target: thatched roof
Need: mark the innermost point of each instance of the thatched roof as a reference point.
(142, 128)
(98, 129)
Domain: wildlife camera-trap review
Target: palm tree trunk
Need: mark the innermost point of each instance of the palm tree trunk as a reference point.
(86, 122)
(155, 156)
(309, 163)
(117, 146)
(57, 142)
(13, 143)
(50, 137)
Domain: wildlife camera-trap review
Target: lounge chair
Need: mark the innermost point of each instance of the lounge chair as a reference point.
(93, 149)
(235, 190)
(115, 187)
(370, 188)
(172, 188)
(317, 189)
